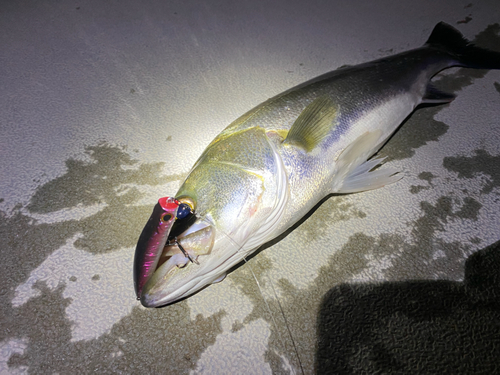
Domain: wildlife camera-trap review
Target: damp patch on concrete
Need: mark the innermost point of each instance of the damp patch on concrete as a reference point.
(425, 176)
(497, 86)
(481, 164)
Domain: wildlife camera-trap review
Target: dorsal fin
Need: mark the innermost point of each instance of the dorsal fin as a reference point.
(314, 123)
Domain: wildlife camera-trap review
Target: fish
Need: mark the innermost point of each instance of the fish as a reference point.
(271, 166)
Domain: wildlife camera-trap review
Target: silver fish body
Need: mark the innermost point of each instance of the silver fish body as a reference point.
(272, 165)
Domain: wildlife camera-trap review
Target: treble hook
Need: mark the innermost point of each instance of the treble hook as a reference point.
(185, 252)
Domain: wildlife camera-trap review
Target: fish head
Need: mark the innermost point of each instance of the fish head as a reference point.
(203, 246)
(237, 198)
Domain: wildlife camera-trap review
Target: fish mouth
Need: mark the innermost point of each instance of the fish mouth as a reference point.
(183, 262)
(176, 277)
(187, 247)
(179, 253)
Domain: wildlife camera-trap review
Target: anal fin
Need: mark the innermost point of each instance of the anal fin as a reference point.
(356, 173)
(436, 96)
(363, 178)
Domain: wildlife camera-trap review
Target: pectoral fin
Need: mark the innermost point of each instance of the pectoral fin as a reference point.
(315, 122)
(363, 178)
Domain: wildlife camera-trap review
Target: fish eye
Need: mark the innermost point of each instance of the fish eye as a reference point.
(183, 211)
(187, 200)
(166, 218)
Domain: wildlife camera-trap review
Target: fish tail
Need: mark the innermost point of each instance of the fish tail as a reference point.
(446, 37)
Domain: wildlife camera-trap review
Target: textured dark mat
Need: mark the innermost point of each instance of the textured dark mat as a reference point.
(415, 327)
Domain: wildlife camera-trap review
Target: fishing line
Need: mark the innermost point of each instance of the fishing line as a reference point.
(266, 303)
(272, 316)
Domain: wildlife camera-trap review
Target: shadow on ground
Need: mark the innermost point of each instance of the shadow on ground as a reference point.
(410, 327)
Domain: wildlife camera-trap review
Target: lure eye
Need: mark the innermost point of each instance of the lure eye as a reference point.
(183, 211)
(166, 218)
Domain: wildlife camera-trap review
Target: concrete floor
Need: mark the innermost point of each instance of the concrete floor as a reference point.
(107, 105)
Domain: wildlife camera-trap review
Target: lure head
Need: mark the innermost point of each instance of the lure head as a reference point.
(152, 240)
(168, 250)
(168, 214)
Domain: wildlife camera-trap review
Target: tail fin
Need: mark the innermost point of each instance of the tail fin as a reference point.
(467, 54)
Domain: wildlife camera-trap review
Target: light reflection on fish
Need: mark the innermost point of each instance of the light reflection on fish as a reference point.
(272, 165)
